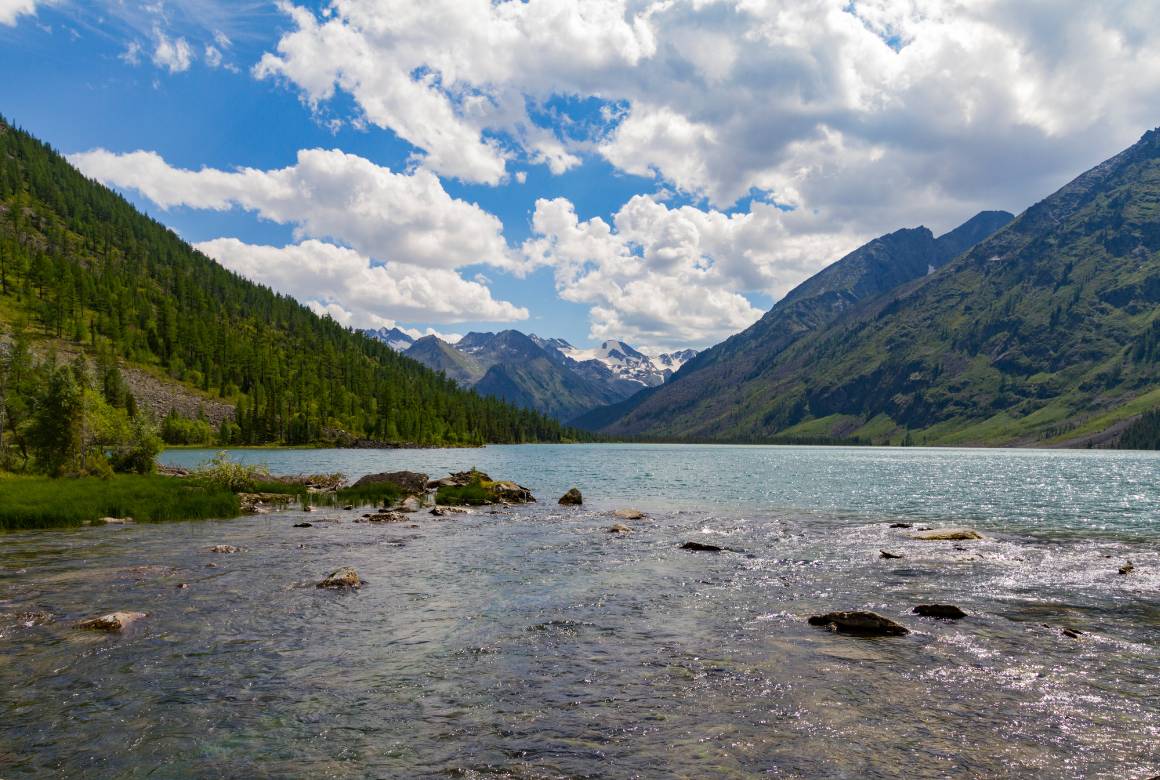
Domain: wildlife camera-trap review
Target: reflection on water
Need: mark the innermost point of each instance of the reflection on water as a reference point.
(534, 644)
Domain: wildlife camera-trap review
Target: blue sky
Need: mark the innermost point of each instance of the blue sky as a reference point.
(657, 172)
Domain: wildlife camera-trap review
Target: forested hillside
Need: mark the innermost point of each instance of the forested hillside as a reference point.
(1046, 332)
(80, 268)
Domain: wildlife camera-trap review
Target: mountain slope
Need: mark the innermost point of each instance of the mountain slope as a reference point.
(438, 355)
(867, 272)
(543, 374)
(87, 271)
(1045, 331)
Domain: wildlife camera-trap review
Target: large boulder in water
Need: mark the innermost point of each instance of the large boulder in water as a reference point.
(408, 481)
(114, 621)
(572, 498)
(859, 622)
(346, 577)
(949, 535)
(510, 493)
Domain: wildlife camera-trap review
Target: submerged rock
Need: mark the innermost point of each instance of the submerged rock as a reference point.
(346, 577)
(224, 548)
(859, 622)
(262, 503)
(617, 528)
(629, 514)
(944, 611)
(901, 525)
(304, 525)
(949, 535)
(1127, 568)
(386, 517)
(699, 547)
(1071, 633)
(114, 621)
(890, 555)
(443, 511)
(408, 481)
(572, 498)
(33, 618)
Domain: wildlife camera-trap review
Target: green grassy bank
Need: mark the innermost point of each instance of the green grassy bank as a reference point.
(42, 502)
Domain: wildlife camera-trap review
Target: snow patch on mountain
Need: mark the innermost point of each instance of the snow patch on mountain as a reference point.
(625, 361)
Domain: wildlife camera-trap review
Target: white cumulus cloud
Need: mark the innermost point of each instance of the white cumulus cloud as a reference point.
(673, 276)
(358, 292)
(326, 194)
(11, 10)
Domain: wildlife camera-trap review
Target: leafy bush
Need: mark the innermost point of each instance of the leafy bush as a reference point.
(231, 475)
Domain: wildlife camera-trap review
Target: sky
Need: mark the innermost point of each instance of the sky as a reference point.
(657, 171)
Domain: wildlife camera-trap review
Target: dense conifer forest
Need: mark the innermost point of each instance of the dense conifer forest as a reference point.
(82, 270)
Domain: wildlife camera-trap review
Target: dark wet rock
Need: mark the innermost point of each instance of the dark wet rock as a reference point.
(944, 611)
(889, 555)
(114, 621)
(902, 525)
(949, 535)
(408, 481)
(211, 566)
(225, 549)
(699, 547)
(439, 511)
(1127, 568)
(348, 508)
(572, 498)
(461, 478)
(510, 493)
(617, 528)
(346, 577)
(629, 514)
(304, 525)
(1071, 633)
(859, 622)
(386, 517)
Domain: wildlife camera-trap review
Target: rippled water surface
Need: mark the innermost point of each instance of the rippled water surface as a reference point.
(532, 643)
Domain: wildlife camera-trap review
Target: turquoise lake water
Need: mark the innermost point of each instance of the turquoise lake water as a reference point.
(532, 643)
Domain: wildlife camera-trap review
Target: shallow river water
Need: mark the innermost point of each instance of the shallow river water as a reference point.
(532, 643)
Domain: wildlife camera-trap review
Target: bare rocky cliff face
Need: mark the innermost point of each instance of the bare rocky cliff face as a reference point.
(157, 397)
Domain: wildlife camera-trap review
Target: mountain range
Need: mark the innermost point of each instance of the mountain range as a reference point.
(547, 375)
(1041, 329)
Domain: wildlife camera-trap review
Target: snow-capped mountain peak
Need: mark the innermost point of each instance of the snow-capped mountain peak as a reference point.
(392, 337)
(627, 362)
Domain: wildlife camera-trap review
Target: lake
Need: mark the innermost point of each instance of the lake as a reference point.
(532, 643)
